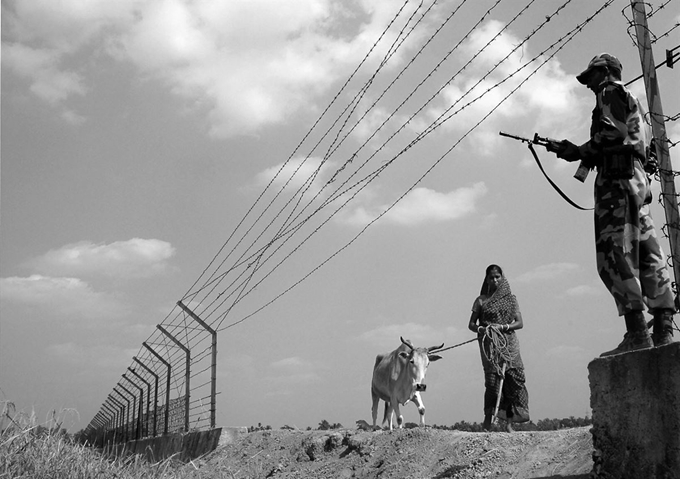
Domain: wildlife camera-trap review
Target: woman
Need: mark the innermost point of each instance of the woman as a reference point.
(495, 317)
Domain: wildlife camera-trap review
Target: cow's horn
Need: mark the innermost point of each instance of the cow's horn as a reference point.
(434, 348)
(407, 344)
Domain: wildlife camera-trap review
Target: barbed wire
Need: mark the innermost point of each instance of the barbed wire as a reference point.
(361, 184)
(632, 25)
(654, 11)
(180, 383)
(305, 137)
(297, 213)
(249, 261)
(677, 24)
(383, 62)
(576, 30)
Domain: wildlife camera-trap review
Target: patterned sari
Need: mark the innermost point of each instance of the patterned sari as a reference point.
(498, 349)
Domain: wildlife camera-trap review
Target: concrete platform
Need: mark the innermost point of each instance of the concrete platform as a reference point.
(635, 398)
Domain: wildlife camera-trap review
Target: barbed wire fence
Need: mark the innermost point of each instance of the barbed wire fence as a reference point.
(170, 385)
(664, 175)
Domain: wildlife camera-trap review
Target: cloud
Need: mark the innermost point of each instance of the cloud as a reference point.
(40, 67)
(40, 38)
(67, 297)
(547, 272)
(547, 97)
(387, 337)
(291, 372)
(244, 63)
(422, 205)
(297, 173)
(583, 290)
(135, 258)
(288, 363)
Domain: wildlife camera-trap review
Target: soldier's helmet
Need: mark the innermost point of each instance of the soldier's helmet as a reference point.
(601, 60)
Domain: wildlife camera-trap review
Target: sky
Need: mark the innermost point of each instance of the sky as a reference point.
(138, 134)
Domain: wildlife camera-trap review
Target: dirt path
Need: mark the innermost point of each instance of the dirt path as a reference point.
(410, 453)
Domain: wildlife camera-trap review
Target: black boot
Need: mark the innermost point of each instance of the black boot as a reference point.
(662, 329)
(637, 335)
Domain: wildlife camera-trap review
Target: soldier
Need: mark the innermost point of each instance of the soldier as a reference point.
(629, 257)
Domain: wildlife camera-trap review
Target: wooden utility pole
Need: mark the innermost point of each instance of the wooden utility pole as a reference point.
(668, 193)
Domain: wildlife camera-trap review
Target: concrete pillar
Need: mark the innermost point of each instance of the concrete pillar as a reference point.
(635, 398)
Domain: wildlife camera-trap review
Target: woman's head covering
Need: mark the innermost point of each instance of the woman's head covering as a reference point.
(489, 269)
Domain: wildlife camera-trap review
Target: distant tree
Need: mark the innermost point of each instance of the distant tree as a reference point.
(541, 425)
(324, 425)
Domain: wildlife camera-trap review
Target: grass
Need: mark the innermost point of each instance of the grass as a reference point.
(46, 451)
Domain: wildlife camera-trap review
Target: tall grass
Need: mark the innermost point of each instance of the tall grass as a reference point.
(45, 451)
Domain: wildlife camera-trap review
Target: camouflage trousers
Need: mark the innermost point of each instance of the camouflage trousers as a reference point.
(630, 261)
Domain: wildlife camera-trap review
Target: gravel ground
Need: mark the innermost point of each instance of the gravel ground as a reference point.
(409, 453)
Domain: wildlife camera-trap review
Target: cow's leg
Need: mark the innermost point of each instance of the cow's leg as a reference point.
(421, 407)
(388, 414)
(374, 407)
(400, 418)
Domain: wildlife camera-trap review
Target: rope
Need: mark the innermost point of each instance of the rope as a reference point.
(498, 352)
(454, 346)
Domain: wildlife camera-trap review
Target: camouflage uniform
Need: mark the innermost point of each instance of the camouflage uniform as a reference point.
(630, 261)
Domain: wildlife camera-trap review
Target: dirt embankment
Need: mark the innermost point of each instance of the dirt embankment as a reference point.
(409, 453)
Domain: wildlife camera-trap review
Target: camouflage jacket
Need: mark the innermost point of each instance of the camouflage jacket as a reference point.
(617, 120)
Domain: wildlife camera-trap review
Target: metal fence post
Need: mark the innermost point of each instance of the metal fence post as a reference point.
(213, 366)
(111, 425)
(134, 407)
(148, 398)
(127, 409)
(121, 420)
(139, 433)
(167, 385)
(187, 352)
(155, 397)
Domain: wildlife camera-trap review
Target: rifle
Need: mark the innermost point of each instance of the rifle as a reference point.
(551, 145)
(554, 146)
(537, 140)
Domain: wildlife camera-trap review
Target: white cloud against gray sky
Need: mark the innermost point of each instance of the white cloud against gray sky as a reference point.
(421, 205)
(69, 298)
(246, 64)
(238, 62)
(117, 120)
(131, 259)
(58, 281)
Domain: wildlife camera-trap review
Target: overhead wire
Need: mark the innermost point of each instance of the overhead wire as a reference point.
(267, 245)
(416, 89)
(306, 136)
(288, 227)
(565, 39)
(171, 354)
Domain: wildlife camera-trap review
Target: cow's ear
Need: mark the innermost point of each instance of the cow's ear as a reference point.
(403, 354)
(433, 357)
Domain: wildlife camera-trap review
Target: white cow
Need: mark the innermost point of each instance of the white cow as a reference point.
(398, 378)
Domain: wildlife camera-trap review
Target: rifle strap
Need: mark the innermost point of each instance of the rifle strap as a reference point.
(552, 183)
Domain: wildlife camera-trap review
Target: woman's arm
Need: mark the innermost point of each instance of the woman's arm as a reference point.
(517, 323)
(472, 325)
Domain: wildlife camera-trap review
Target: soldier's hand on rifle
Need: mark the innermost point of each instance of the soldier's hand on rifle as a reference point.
(564, 149)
